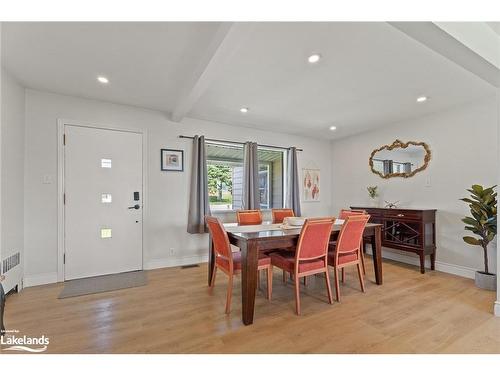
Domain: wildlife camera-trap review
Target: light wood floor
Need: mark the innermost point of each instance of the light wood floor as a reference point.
(174, 313)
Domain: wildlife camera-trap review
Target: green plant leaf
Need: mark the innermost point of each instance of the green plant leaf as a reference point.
(472, 240)
(478, 189)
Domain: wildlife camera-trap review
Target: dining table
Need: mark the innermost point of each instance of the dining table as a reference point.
(253, 239)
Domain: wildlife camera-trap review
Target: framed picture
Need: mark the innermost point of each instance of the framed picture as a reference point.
(310, 185)
(172, 160)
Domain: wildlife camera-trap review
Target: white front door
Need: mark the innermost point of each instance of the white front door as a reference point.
(103, 201)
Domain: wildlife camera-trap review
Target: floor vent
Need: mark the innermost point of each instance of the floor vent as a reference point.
(190, 266)
(10, 262)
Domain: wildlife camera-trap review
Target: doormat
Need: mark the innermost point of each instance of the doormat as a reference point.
(101, 284)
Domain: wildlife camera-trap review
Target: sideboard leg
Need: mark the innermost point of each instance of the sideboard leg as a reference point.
(422, 261)
(433, 260)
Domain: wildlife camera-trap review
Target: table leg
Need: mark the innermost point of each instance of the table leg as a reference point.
(249, 256)
(211, 258)
(377, 254)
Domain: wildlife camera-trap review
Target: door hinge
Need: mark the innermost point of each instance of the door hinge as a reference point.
(64, 198)
(64, 139)
(64, 258)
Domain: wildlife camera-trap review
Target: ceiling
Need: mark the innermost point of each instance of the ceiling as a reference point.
(369, 76)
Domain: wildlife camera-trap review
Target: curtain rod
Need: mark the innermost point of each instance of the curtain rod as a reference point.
(238, 143)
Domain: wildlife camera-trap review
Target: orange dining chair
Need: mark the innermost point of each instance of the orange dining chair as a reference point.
(342, 216)
(249, 217)
(347, 250)
(229, 262)
(279, 214)
(345, 213)
(311, 255)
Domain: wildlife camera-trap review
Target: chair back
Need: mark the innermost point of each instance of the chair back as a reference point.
(279, 214)
(346, 213)
(220, 239)
(249, 217)
(351, 234)
(314, 238)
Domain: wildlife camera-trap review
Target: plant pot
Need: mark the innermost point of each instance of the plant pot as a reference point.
(486, 281)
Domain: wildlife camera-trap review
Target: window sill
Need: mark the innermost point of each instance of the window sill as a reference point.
(234, 211)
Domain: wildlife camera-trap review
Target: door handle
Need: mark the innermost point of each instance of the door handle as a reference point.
(135, 207)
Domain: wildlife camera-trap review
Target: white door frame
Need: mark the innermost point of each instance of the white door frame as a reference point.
(60, 185)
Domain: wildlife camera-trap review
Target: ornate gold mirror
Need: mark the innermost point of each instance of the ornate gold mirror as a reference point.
(400, 159)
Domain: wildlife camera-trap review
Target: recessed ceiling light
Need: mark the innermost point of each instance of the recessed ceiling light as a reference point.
(314, 58)
(244, 110)
(422, 99)
(103, 79)
(333, 128)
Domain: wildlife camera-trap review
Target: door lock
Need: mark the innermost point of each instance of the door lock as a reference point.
(135, 207)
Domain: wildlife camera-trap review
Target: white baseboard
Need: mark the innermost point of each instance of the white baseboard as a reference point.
(175, 262)
(40, 279)
(469, 273)
(440, 266)
(497, 308)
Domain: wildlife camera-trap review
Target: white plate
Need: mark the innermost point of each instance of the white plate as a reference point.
(295, 221)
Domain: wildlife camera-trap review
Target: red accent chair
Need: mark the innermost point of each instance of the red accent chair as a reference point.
(229, 262)
(249, 217)
(347, 250)
(311, 255)
(279, 214)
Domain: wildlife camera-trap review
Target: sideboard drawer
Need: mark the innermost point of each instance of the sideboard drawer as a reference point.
(403, 215)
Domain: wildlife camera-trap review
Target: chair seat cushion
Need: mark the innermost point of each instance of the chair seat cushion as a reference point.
(221, 262)
(343, 257)
(286, 261)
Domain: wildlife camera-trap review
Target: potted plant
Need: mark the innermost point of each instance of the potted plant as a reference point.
(483, 223)
(373, 193)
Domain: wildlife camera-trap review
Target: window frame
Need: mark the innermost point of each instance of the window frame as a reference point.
(270, 184)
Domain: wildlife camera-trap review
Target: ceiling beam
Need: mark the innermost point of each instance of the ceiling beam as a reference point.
(228, 37)
(435, 38)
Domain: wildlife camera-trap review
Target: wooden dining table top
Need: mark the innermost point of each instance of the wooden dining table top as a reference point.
(268, 230)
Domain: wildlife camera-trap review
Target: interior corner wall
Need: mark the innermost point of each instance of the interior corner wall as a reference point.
(464, 146)
(12, 175)
(168, 243)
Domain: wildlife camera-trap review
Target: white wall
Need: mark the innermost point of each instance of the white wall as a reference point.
(12, 174)
(167, 192)
(464, 145)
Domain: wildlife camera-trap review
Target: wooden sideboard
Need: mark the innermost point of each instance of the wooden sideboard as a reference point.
(407, 229)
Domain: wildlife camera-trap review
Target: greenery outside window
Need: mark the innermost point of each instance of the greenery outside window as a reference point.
(225, 177)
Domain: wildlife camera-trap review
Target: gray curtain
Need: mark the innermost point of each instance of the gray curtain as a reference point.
(251, 196)
(199, 205)
(388, 168)
(293, 195)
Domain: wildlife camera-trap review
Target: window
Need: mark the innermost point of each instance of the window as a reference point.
(105, 163)
(106, 198)
(225, 177)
